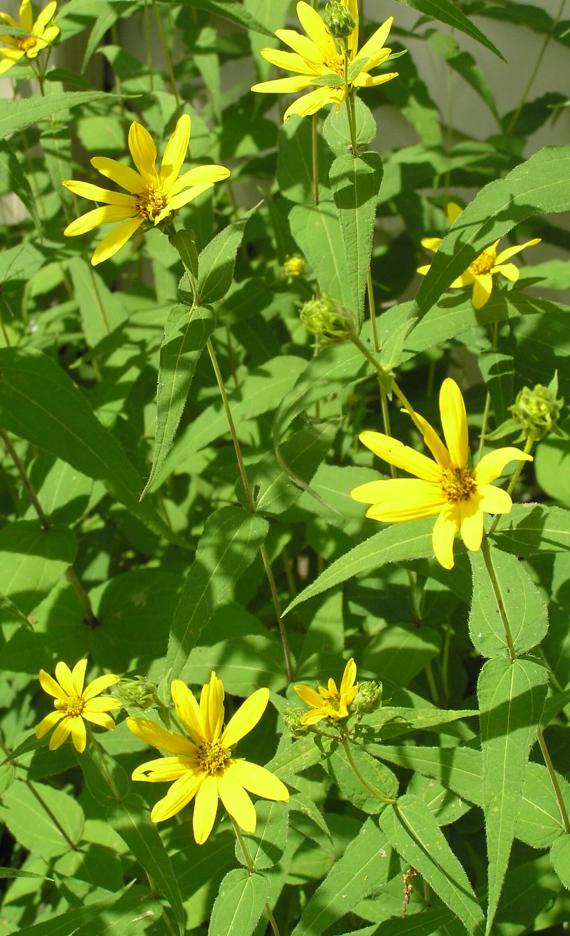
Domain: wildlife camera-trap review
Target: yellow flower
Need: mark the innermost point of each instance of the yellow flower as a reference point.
(317, 55)
(330, 702)
(480, 272)
(153, 194)
(294, 267)
(446, 486)
(38, 35)
(203, 767)
(75, 704)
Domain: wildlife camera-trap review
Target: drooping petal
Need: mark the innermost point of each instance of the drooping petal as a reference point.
(48, 722)
(444, 530)
(64, 678)
(302, 45)
(282, 85)
(50, 686)
(482, 289)
(179, 795)
(116, 239)
(200, 175)
(175, 152)
(401, 456)
(246, 717)
(44, 17)
(471, 523)
(212, 707)
(315, 716)
(373, 47)
(509, 252)
(205, 809)
(98, 685)
(308, 695)
(188, 195)
(78, 676)
(348, 677)
(433, 441)
(26, 15)
(236, 801)
(143, 152)
(312, 102)
(509, 270)
(94, 218)
(102, 704)
(367, 65)
(406, 499)
(95, 193)
(49, 35)
(124, 176)
(187, 709)
(290, 61)
(99, 718)
(160, 738)
(78, 734)
(259, 781)
(493, 464)
(163, 769)
(60, 734)
(316, 30)
(10, 57)
(364, 80)
(494, 500)
(453, 211)
(431, 243)
(454, 422)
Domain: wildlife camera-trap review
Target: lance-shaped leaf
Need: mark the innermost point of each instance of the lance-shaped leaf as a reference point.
(511, 697)
(217, 262)
(185, 336)
(34, 109)
(446, 11)
(318, 233)
(227, 547)
(530, 529)
(239, 904)
(33, 561)
(355, 184)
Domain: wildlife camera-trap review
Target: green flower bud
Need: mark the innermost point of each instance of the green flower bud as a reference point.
(293, 719)
(338, 19)
(368, 698)
(139, 692)
(327, 319)
(537, 411)
(294, 267)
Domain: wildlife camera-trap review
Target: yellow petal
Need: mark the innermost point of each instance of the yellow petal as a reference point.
(401, 456)
(9, 20)
(64, 678)
(509, 252)
(471, 524)
(26, 15)
(493, 464)
(78, 676)
(236, 801)
(9, 60)
(246, 717)
(367, 65)
(143, 152)
(433, 441)
(48, 722)
(494, 500)
(282, 85)
(258, 780)
(179, 795)
(482, 289)
(431, 243)
(163, 769)
(102, 704)
(424, 270)
(509, 270)
(187, 709)
(212, 707)
(453, 212)
(308, 695)
(60, 734)
(116, 239)
(312, 102)
(444, 530)
(290, 61)
(44, 17)
(466, 279)
(124, 176)
(373, 47)
(316, 30)
(175, 152)
(99, 718)
(94, 218)
(348, 677)
(302, 45)
(160, 738)
(407, 499)
(96, 686)
(454, 422)
(364, 80)
(50, 686)
(188, 195)
(200, 175)
(95, 193)
(205, 809)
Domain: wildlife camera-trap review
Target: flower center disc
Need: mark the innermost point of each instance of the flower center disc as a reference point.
(25, 43)
(484, 263)
(213, 758)
(73, 706)
(151, 203)
(458, 484)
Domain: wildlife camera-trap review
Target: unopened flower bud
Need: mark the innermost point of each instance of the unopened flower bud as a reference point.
(338, 19)
(293, 719)
(368, 698)
(537, 410)
(139, 692)
(327, 319)
(294, 267)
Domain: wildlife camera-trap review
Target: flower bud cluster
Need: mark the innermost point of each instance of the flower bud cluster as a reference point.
(537, 410)
(368, 698)
(138, 692)
(338, 19)
(294, 267)
(327, 319)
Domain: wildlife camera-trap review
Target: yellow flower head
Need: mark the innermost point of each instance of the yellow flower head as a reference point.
(317, 55)
(294, 267)
(152, 194)
(75, 703)
(330, 702)
(38, 35)
(446, 485)
(202, 766)
(481, 271)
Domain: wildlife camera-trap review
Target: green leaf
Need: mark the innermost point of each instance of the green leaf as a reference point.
(33, 561)
(40, 403)
(127, 913)
(229, 10)
(394, 544)
(227, 547)
(45, 821)
(336, 128)
(539, 822)
(98, 306)
(523, 603)
(415, 834)
(560, 858)
(538, 185)
(317, 231)
(34, 109)
(217, 261)
(352, 878)
(533, 528)
(14, 179)
(392, 721)
(280, 481)
(267, 844)
(295, 164)
(458, 769)
(351, 788)
(185, 337)
(497, 371)
(239, 904)
(355, 184)
(447, 12)
(511, 696)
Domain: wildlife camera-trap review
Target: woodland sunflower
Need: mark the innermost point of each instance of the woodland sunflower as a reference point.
(75, 704)
(202, 766)
(152, 194)
(35, 36)
(318, 58)
(481, 271)
(446, 485)
(331, 702)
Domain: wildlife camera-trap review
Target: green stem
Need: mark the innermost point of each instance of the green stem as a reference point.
(498, 597)
(166, 53)
(554, 781)
(315, 158)
(528, 446)
(487, 409)
(371, 789)
(372, 308)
